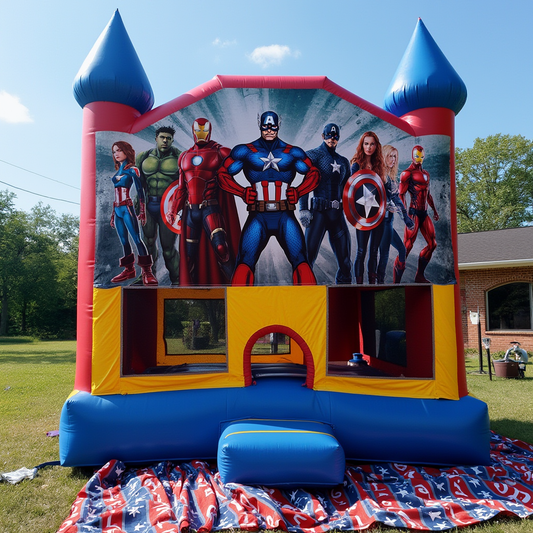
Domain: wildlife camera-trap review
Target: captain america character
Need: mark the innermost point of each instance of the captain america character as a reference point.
(270, 166)
(326, 213)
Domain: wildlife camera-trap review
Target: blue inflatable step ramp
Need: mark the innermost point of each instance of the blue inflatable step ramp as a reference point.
(279, 453)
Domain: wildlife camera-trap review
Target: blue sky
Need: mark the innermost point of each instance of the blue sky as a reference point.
(181, 45)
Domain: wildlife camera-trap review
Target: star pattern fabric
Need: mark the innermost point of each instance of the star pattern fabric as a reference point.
(170, 497)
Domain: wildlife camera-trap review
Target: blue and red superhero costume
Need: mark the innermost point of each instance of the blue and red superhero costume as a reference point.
(270, 167)
(123, 219)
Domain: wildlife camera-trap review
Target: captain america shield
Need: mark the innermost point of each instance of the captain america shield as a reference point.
(364, 200)
(165, 200)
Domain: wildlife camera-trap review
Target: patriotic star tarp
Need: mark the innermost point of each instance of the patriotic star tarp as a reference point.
(169, 497)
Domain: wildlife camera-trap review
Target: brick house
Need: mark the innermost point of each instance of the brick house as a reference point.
(496, 276)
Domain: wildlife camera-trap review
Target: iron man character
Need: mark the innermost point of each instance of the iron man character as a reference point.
(415, 181)
(199, 198)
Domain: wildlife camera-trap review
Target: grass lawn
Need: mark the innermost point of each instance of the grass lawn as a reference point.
(510, 401)
(37, 377)
(177, 347)
(35, 380)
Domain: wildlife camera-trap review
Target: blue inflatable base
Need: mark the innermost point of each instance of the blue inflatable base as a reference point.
(185, 425)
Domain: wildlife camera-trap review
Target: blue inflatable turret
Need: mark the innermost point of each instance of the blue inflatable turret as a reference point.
(424, 78)
(112, 72)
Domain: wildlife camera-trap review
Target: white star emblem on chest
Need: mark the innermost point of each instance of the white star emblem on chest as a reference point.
(270, 161)
(336, 167)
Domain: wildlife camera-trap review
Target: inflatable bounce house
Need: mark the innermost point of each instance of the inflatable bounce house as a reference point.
(217, 321)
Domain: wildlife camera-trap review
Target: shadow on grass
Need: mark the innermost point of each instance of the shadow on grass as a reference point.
(513, 429)
(16, 340)
(83, 473)
(34, 358)
(526, 379)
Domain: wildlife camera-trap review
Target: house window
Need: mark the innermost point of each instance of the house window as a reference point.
(509, 307)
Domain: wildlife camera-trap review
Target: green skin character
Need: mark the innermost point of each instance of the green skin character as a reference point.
(158, 169)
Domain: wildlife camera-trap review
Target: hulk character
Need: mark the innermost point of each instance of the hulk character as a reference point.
(158, 169)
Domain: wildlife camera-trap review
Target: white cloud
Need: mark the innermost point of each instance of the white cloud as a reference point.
(265, 56)
(11, 110)
(223, 44)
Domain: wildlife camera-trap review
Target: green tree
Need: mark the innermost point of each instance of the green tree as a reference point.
(38, 271)
(494, 183)
(215, 312)
(11, 239)
(55, 268)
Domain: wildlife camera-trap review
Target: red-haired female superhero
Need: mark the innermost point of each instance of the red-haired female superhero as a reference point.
(368, 155)
(123, 217)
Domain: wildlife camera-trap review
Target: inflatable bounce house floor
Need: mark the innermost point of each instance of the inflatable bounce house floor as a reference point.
(171, 497)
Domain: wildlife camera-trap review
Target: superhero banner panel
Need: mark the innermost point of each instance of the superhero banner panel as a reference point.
(247, 186)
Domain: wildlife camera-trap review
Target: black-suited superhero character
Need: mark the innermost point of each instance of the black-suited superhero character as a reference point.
(325, 214)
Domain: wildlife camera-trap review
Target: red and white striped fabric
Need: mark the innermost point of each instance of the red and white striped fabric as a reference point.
(171, 497)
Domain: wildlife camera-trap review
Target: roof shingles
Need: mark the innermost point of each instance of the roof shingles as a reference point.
(506, 245)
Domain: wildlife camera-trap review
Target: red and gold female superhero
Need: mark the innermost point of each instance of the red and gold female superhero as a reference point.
(415, 181)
